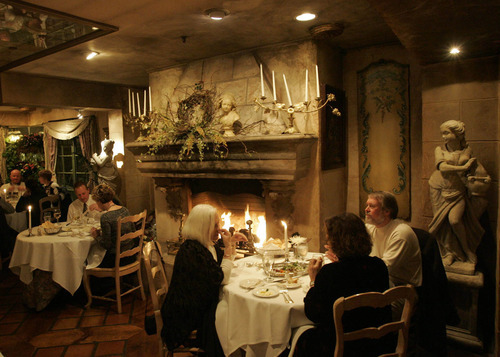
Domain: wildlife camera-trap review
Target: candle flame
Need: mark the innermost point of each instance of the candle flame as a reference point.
(284, 224)
(226, 218)
(29, 208)
(247, 213)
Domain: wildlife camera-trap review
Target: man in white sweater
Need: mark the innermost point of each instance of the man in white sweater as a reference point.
(82, 204)
(393, 240)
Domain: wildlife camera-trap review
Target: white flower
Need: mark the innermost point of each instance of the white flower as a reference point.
(296, 240)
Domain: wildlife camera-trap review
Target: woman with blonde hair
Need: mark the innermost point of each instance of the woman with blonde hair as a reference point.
(200, 268)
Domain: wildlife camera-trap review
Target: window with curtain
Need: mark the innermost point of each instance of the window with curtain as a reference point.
(71, 166)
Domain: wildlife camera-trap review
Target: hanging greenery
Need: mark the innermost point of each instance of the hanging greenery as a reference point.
(25, 155)
(193, 126)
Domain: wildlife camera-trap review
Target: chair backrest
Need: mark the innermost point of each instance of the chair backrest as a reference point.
(139, 221)
(375, 300)
(49, 204)
(157, 282)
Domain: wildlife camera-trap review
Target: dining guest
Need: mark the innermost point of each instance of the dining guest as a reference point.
(31, 197)
(200, 268)
(83, 203)
(106, 236)
(50, 187)
(352, 271)
(15, 187)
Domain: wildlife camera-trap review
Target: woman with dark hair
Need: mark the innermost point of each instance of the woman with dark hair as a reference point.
(106, 236)
(352, 271)
(31, 197)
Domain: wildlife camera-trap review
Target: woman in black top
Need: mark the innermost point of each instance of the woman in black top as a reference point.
(31, 197)
(352, 271)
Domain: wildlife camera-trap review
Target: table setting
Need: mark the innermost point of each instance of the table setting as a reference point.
(261, 304)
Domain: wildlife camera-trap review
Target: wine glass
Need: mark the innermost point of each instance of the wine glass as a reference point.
(47, 216)
(302, 250)
(57, 214)
(267, 265)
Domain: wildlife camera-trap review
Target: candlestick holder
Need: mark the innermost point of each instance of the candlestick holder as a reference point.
(30, 234)
(302, 107)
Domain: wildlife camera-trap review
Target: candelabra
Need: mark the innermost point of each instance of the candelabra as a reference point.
(302, 107)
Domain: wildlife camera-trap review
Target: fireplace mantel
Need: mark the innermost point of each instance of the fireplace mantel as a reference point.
(269, 157)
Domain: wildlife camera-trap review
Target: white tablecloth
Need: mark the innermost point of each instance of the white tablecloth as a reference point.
(260, 326)
(64, 256)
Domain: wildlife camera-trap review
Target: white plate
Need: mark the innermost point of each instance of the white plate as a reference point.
(250, 283)
(265, 292)
(292, 285)
(270, 251)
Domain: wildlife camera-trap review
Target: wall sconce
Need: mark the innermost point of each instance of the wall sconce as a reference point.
(119, 158)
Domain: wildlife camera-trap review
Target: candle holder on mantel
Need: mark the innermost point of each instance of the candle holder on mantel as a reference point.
(302, 107)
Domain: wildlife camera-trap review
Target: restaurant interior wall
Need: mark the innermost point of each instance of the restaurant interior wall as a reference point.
(239, 73)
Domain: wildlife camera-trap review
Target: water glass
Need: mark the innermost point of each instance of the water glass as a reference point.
(267, 265)
(302, 250)
(57, 214)
(47, 217)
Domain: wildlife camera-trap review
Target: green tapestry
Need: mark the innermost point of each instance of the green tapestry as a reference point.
(384, 134)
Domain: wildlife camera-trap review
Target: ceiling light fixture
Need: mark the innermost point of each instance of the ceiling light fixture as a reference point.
(80, 115)
(216, 14)
(306, 16)
(92, 55)
(455, 51)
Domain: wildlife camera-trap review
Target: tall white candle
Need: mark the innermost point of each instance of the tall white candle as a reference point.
(29, 219)
(262, 80)
(133, 105)
(317, 82)
(274, 88)
(5, 194)
(150, 106)
(129, 104)
(285, 238)
(138, 105)
(307, 77)
(287, 91)
(145, 111)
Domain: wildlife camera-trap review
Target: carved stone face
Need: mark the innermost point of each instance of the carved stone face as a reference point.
(226, 105)
(447, 135)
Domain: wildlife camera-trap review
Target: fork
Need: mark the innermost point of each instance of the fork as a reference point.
(287, 297)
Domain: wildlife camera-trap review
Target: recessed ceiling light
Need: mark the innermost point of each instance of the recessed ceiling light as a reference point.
(216, 14)
(305, 17)
(92, 55)
(455, 50)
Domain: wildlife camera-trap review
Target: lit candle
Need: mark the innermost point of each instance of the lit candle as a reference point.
(285, 238)
(5, 194)
(150, 106)
(274, 88)
(145, 112)
(133, 105)
(307, 77)
(317, 82)
(129, 103)
(138, 105)
(262, 80)
(287, 91)
(29, 219)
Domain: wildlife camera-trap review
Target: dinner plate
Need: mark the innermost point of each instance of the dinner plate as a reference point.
(265, 292)
(250, 283)
(292, 285)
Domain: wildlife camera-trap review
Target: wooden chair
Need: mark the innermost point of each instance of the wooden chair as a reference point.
(376, 300)
(119, 271)
(49, 204)
(158, 288)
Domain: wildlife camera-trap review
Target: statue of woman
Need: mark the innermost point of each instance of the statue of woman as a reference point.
(228, 115)
(455, 224)
(106, 170)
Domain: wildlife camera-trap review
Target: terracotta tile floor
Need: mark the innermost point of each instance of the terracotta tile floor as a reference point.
(66, 328)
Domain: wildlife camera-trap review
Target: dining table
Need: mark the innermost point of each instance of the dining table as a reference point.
(251, 322)
(48, 262)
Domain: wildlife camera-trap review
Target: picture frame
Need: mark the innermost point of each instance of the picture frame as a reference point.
(333, 130)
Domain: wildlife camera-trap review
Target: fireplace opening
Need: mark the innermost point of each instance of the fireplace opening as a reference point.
(237, 201)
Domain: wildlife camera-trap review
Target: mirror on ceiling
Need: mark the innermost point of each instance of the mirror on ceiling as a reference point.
(28, 32)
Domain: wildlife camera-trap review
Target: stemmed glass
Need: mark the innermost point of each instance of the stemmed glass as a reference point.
(267, 265)
(302, 250)
(57, 214)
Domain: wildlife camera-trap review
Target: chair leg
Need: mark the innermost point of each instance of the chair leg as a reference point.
(86, 285)
(139, 277)
(118, 293)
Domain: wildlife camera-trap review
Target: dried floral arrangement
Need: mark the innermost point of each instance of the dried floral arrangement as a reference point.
(193, 126)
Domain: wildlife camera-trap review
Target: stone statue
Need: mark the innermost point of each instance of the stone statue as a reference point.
(104, 165)
(457, 190)
(228, 117)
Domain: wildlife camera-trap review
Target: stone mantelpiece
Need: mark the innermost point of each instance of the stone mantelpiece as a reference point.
(270, 157)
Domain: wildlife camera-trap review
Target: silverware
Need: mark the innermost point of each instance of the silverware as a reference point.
(287, 297)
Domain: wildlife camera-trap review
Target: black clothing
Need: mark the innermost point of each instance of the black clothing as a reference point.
(7, 238)
(33, 201)
(192, 298)
(346, 277)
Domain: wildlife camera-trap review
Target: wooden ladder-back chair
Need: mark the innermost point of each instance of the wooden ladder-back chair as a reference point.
(376, 300)
(118, 271)
(158, 288)
(49, 204)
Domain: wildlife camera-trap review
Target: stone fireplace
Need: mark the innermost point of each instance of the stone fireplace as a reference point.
(260, 172)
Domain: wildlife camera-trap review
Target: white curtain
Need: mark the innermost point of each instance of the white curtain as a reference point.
(65, 129)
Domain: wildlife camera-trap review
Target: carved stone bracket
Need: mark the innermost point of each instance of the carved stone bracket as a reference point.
(279, 197)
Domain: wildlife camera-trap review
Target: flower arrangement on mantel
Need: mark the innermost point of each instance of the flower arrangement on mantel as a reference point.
(193, 126)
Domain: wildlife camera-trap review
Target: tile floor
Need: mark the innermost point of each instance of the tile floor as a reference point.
(66, 328)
